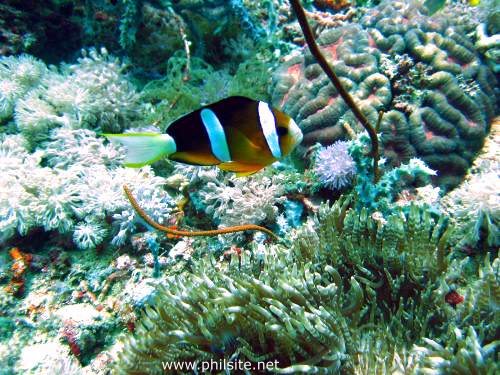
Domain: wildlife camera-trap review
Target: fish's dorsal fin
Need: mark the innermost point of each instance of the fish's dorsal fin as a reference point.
(143, 148)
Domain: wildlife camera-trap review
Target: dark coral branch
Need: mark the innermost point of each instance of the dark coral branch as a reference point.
(379, 120)
(315, 51)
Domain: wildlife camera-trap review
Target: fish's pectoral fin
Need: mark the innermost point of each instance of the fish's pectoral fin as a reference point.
(244, 148)
(241, 169)
(143, 148)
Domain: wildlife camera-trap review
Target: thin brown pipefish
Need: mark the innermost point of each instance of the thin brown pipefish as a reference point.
(186, 233)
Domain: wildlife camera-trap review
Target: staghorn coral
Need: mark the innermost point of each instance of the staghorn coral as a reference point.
(441, 83)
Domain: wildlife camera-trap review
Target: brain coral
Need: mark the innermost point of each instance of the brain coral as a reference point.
(422, 71)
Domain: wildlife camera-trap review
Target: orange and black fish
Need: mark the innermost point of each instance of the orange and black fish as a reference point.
(237, 134)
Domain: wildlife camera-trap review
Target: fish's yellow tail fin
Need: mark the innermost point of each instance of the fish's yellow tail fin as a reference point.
(143, 148)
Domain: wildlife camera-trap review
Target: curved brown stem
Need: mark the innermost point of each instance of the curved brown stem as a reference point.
(315, 51)
(186, 233)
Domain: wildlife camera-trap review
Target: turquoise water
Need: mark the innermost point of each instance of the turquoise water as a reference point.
(273, 207)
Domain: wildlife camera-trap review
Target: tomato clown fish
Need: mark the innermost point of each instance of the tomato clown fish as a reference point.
(237, 134)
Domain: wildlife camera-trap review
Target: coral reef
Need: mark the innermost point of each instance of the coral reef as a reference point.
(388, 278)
(448, 94)
(93, 93)
(299, 306)
(334, 167)
(475, 204)
(78, 193)
(62, 177)
(17, 76)
(232, 201)
(463, 353)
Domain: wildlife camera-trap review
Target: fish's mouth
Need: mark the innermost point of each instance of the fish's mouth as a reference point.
(295, 132)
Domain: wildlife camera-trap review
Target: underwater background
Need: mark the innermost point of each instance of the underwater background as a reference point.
(388, 269)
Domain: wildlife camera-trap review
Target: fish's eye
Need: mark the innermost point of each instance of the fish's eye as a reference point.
(282, 131)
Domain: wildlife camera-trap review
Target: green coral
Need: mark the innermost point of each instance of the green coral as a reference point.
(380, 196)
(462, 354)
(211, 316)
(304, 304)
(481, 307)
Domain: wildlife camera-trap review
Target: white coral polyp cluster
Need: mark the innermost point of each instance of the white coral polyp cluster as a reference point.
(479, 193)
(93, 94)
(334, 167)
(77, 193)
(17, 76)
(238, 201)
(87, 235)
(57, 174)
(31, 195)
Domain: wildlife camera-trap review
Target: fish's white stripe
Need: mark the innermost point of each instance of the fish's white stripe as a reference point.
(268, 125)
(216, 135)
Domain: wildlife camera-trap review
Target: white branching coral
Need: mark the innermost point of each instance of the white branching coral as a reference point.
(234, 201)
(104, 198)
(90, 150)
(35, 117)
(79, 191)
(94, 92)
(57, 174)
(87, 235)
(17, 76)
(32, 195)
(14, 200)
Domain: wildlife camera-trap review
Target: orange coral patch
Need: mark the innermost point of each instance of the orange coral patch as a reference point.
(332, 48)
(294, 71)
